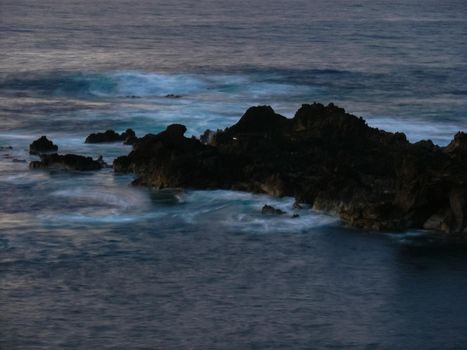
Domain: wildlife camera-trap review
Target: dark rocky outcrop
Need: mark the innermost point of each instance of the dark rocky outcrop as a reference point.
(325, 157)
(42, 145)
(128, 137)
(67, 161)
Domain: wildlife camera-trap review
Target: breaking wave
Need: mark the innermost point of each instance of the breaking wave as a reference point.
(146, 84)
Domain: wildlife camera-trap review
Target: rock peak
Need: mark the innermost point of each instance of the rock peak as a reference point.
(42, 145)
(174, 131)
(259, 119)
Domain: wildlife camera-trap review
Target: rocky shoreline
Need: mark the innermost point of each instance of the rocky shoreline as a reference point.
(372, 179)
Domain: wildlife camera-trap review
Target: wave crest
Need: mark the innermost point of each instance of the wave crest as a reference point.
(144, 84)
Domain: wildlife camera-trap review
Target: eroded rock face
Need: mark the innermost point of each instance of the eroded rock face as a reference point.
(42, 145)
(325, 157)
(128, 137)
(67, 161)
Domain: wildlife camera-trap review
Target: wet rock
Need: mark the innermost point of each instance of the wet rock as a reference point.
(66, 162)
(297, 205)
(42, 145)
(128, 137)
(6, 148)
(173, 96)
(325, 158)
(270, 210)
(438, 222)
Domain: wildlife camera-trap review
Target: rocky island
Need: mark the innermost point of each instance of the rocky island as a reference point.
(323, 156)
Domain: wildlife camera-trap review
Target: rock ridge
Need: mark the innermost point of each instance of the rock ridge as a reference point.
(372, 179)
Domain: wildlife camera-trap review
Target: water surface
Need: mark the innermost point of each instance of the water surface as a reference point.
(89, 262)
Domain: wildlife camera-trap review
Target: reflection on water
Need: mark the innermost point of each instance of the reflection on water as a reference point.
(89, 262)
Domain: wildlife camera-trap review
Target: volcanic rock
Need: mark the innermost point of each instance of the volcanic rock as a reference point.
(42, 145)
(67, 162)
(372, 179)
(128, 137)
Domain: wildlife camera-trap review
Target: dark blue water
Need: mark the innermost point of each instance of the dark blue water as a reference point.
(89, 262)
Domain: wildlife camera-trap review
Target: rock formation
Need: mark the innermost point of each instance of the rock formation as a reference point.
(67, 162)
(42, 145)
(325, 157)
(128, 137)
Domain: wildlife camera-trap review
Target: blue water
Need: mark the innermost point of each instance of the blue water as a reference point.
(89, 262)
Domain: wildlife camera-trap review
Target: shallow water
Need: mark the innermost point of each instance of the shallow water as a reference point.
(89, 262)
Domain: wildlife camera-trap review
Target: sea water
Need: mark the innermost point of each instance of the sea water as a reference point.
(88, 261)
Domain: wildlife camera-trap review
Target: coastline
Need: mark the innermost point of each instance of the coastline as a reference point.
(323, 157)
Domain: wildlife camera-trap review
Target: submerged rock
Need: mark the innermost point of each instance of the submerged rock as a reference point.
(128, 137)
(270, 210)
(324, 157)
(67, 161)
(42, 145)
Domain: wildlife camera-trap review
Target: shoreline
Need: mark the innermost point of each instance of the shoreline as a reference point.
(323, 157)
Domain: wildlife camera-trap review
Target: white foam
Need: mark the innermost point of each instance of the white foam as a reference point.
(241, 212)
(122, 198)
(132, 83)
(146, 84)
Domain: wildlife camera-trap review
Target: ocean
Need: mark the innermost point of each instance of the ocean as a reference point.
(88, 261)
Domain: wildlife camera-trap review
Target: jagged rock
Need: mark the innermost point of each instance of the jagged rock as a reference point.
(458, 146)
(270, 210)
(67, 161)
(128, 137)
(42, 145)
(324, 157)
(207, 137)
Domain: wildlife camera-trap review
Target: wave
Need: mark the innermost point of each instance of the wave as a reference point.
(146, 84)
(218, 210)
(215, 100)
(116, 84)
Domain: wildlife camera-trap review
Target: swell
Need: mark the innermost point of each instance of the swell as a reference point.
(148, 84)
